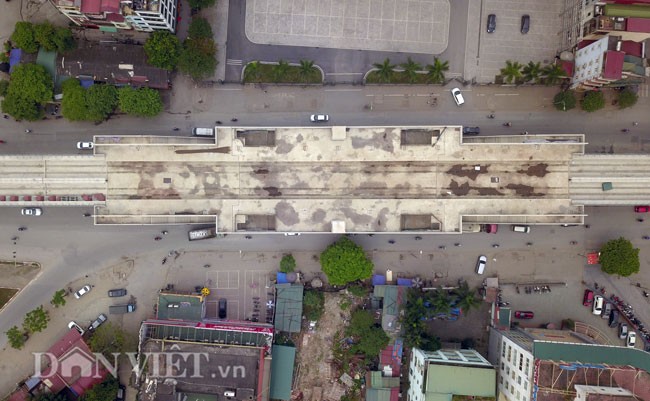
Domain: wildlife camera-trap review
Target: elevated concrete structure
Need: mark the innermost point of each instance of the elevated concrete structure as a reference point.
(332, 179)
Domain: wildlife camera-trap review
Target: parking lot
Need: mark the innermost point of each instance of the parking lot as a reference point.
(508, 43)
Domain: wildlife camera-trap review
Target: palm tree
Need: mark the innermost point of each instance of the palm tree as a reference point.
(280, 71)
(436, 71)
(384, 70)
(441, 301)
(411, 69)
(553, 73)
(511, 72)
(466, 298)
(532, 72)
(252, 71)
(306, 69)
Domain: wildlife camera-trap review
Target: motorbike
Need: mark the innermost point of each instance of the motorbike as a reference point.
(22, 228)
(157, 238)
(507, 124)
(490, 116)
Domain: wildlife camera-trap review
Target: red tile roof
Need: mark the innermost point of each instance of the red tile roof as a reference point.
(110, 6)
(613, 65)
(386, 358)
(638, 25)
(632, 48)
(91, 6)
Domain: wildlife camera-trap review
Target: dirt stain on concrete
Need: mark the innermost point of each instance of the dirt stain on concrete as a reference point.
(536, 170)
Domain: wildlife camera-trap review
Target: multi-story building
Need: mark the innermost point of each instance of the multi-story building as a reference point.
(554, 365)
(111, 15)
(447, 372)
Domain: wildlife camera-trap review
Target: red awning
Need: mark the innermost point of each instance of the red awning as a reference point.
(593, 258)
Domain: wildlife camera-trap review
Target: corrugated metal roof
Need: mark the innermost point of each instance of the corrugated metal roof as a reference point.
(591, 353)
(282, 371)
(637, 25)
(613, 65)
(180, 307)
(382, 394)
(379, 381)
(454, 380)
(288, 308)
(627, 10)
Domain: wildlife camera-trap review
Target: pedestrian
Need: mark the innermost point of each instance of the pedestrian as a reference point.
(635, 123)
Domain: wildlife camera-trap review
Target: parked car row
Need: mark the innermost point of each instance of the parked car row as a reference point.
(492, 23)
(607, 310)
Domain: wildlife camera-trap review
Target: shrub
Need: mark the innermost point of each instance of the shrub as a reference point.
(564, 101)
(627, 98)
(593, 101)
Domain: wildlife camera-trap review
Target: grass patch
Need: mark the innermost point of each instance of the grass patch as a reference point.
(292, 76)
(398, 77)
(5, 295)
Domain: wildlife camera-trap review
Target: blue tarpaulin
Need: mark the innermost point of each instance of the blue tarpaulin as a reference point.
(86, 83)
(282, 278)
(404, 282)
(378, 279)
(14, 58)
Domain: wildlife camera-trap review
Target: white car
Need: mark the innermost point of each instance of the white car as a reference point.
(481, 264)
(82, 291)
(599, 302)
(458, 97)
(85, 145)
(631, 339)
(31, 211)
(73, 325)
(291, 234)
(319, 118)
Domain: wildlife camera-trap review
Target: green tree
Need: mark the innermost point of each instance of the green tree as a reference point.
(16, 337)
(200, 29)
(344, 262)
(24, 37)
(466, 298)
(58, 299)
(360, 321)
(411, 69)
(163, 50)
(436, 71)
(142, 102)
(313, 304)
(109, 338)
(306, 69)
(101, 101)
(553, 74)
(30, 87)
(36, 320)
(369, 338)
(197, 58)
(565, 100)
(288, 263)
(4, 87)
(441, 301)
(511, 72)
(63, 40)
(253, 71)
(45, 35)
(532, 72)
(73, 104)
(413, 323)
(279, 71)
(619, 257)
(593, 101)
(385, 70)
(627, 98)
(106, 390)
(49, 397)
(199, 4)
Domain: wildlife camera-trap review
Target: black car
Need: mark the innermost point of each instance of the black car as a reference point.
(613, 318)
(491, 23)
(525, 23)
(223, 308)
(119, 292)
(471, 131)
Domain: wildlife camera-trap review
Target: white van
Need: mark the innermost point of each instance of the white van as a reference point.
(521, 229)
(203, 132)
(599, 302)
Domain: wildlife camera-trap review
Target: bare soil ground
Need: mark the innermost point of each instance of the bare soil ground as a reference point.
(316, 374)
(472, 326)
(14, 277)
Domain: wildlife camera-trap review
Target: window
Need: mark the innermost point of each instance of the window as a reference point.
(521, 361)
(527, 366)
(525, 384)
(507, 370)
(509, 352)
(503, 349)
(502, 365)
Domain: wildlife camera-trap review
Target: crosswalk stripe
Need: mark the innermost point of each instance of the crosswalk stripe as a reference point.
(233, 62)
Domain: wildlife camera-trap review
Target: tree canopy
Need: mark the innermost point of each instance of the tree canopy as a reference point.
(344, 262)
(36, 320)
(627, 98)
(313, 304)
(109, 338)
(29, 37)
(618, 256)
(16, 337)
(198, 58)
(593, 101)
(106, 390)
(30, 87)
(58, 298)
(143, 102)
(288, 263)
(200, 28)
(369, 339)
(564, 100)
(24, 37)
(93, 104)
(163, 49)
(199, 4)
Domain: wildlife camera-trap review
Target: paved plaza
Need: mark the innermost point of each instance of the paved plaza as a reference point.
(384, 25)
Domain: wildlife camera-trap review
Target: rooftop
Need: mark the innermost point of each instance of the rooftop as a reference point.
(180, 307)
(288, 309)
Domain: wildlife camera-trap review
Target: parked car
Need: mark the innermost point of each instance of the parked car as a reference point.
(121, 392)
(642, 208)
(73, 325)
(521, 228)
(97, 322)
(458, 97)
(599, 302)
(118, 292)
(631, 339)
(525, 23)
(319, 118)
(223, 308)
(607, 310)
(291, 234)
(491, 228)
(622, 331)
(524, 314)
(481, 264)
(85, 145)
(471, 131)
(82, 291)
(491, 23)
(31, 211)
(613, 318)
(588, 298)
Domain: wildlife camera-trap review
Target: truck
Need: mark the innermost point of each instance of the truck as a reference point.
(204, 233)
(121, 309)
